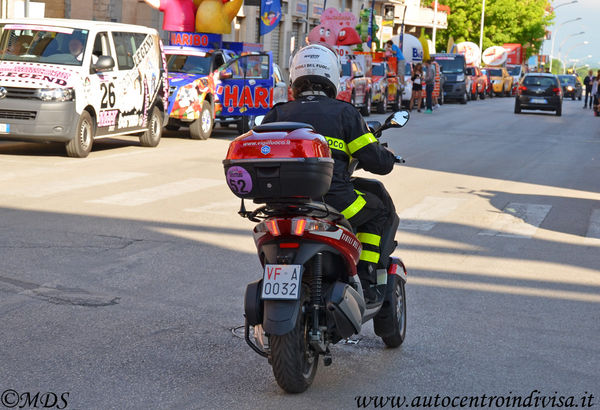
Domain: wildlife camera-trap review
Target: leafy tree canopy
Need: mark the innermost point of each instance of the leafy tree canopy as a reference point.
(506, 21)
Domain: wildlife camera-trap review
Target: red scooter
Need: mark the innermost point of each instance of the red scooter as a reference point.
(310, 296)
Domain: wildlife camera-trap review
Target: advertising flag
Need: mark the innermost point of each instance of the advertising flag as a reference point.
(270, 15)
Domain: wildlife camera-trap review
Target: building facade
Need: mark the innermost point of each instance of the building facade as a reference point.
(298, 17)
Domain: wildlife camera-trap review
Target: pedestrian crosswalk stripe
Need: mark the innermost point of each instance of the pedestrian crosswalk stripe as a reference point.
(424, 215)
(159, 192)
(45, 188)
(225, 207)
(518, 220)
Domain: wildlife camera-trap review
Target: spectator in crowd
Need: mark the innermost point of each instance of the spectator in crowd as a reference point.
(588, 82)
(417, 80)
(429, 84)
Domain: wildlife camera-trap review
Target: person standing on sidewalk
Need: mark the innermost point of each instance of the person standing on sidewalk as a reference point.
(417, 80)
(588, 82)
(429, 84)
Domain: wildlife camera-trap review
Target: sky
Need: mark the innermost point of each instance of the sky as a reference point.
(567, 41)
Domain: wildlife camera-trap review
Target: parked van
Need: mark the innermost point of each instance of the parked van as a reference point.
(74, 81)
(453, 67)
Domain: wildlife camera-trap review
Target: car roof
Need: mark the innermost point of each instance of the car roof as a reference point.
(79, 24)
(541, 74)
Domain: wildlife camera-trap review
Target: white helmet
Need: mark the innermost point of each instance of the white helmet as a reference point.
(318, 64)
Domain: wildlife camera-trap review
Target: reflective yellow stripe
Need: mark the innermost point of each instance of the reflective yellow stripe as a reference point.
(369, 238)
(358, 192)
(338, 144)
(354, 207)
(360, 142)
(369, 256)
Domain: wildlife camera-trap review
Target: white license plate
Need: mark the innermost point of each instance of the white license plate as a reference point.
(4, 128)
(281, 282)
(538, 101)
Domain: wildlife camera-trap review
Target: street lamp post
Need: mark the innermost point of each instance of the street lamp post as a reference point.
(435, 22)
(563, 42)
(555, 34)
(481, 29)
(584, 43)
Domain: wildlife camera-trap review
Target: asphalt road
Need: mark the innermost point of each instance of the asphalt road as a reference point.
(122, 275)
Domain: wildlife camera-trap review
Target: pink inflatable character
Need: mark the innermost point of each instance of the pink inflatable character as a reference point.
(335, 29)
(179, 15)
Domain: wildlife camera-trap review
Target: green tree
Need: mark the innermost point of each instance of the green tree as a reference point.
(505, 21)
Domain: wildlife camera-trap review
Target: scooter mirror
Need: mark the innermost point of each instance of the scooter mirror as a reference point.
(373, 125)
(398, 119)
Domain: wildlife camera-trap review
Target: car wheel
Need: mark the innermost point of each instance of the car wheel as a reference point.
(517, 107)
(243, 125)
(201, 128)
(396, 104)
(365, 110)
(151, 137)
(464, 98)
(482, 95)
(382, 106)
(559, 111)
(81, 144)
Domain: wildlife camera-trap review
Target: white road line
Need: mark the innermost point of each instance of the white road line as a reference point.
(222, 208)
(43, 188)
(424, 215)
(593, 233)
(159, 192)
(518, 220)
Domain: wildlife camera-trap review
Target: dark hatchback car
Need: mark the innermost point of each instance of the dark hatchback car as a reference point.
(571, 86)
(539, 91)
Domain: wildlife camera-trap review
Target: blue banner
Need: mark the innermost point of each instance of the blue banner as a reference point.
(270, 15)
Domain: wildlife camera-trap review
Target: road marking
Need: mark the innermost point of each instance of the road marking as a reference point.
(159, 192)
(518, 220)
(424, 215)
(223, 208)
(593, 233)
(44, 188)
(506, 289)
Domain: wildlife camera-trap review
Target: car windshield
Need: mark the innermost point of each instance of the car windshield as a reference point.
(514, 70)
(566, 79)
(408, 69)
(495, 72)
(42, 44)
(451, 65)
(378, 70)
(539, 81)
(188, 64)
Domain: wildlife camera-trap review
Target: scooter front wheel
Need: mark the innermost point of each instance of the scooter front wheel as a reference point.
(294, 362)
(391, 325)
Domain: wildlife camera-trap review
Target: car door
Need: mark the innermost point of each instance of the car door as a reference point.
(245, 85)
(100, 87)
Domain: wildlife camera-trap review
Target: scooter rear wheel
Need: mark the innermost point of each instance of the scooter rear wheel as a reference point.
(294, 362)
(396, 318)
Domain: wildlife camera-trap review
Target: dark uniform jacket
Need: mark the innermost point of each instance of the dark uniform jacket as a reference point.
(348, 138)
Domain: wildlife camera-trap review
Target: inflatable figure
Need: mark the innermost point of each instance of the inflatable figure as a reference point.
(335, 29)
(178, 14)
(348, 36)
(363, 29)
(215, 16)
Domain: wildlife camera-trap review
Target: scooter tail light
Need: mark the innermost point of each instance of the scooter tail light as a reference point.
(270, 225)
(289, 245)
(301, 225)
